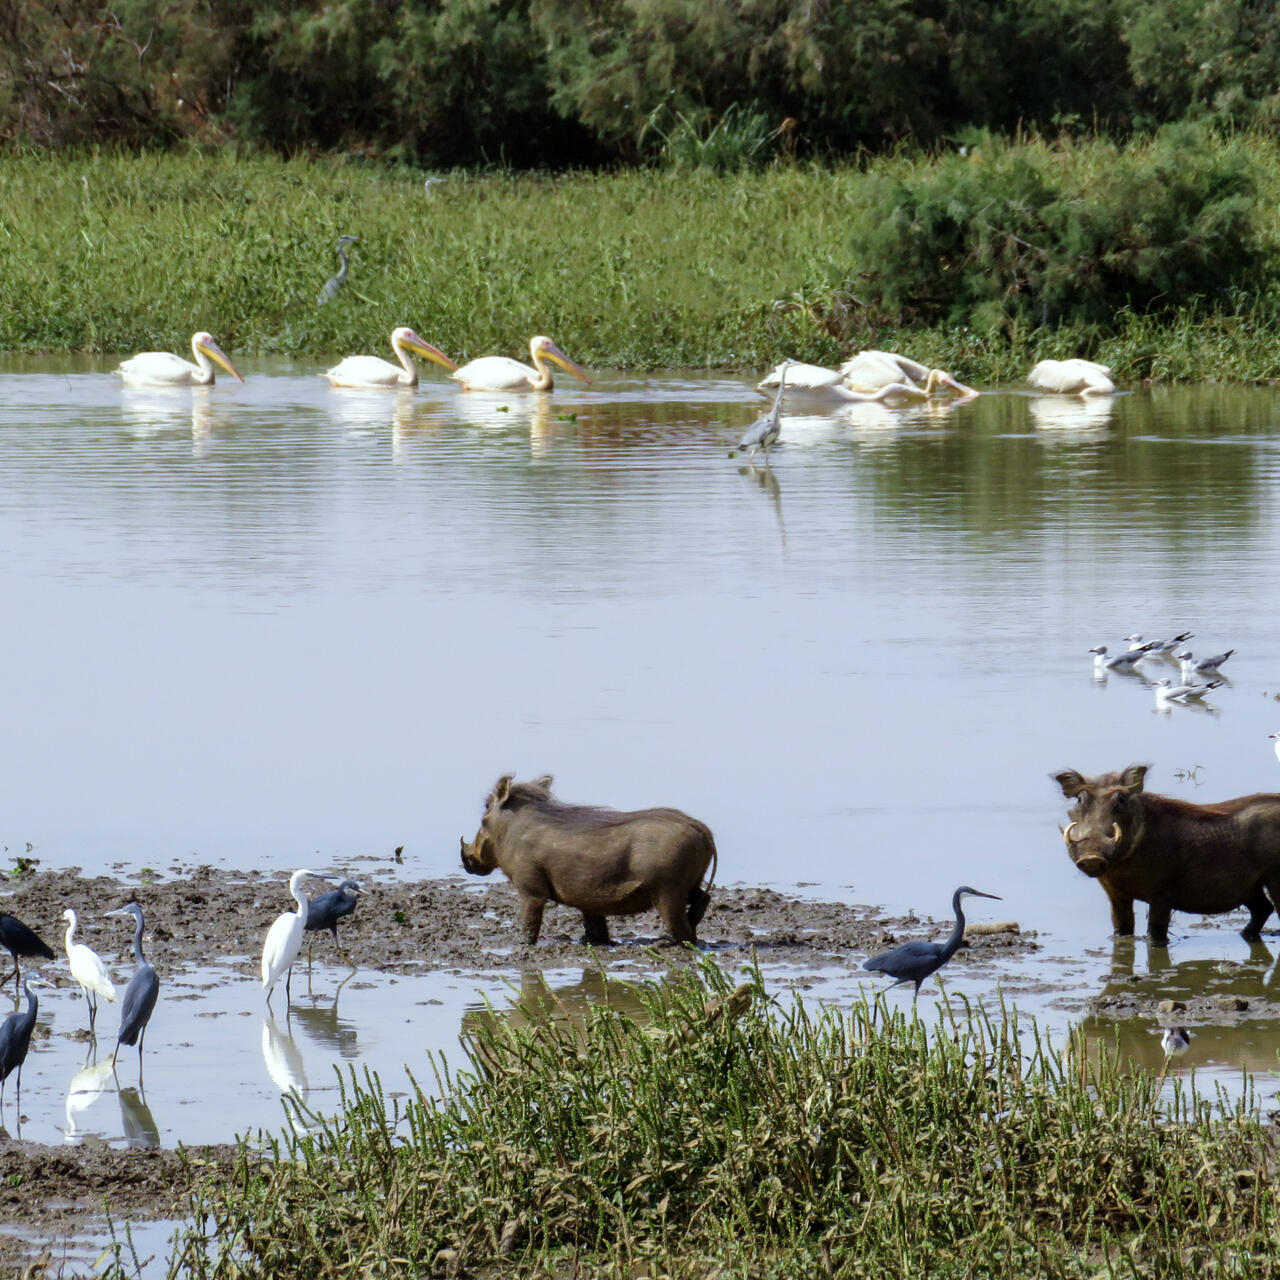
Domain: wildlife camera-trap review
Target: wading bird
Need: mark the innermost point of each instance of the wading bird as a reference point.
(501, 373)
(1175, 1041)
(334, 283)
(163, 369)
(87, 969)
(915, 961)
(139, 995)
(325, 910)
(871, 370)
(18, 940)
(284, 938)
(15, 1040)
(765, 430)
(1275, 737)
(373, 371)
(1072, 377)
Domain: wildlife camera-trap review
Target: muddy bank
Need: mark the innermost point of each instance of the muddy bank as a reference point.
(403, 925)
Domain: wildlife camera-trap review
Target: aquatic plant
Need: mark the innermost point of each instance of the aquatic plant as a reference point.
(726, 1133)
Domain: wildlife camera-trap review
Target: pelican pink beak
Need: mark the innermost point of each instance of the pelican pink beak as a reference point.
(553, 353)
(205, 342)
(423, 348)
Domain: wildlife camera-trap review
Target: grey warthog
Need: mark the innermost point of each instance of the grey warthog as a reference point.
(1170, 854)
(599, 861)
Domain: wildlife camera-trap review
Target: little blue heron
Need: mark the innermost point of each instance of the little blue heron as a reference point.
(15, 1040)
(88, 970)
(334, 283)
(18, 940)
(766, 429)
(284, 938)
(915, 961)
(325, 910)
(139, 995)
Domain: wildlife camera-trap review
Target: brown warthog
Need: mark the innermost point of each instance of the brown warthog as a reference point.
(600, 861)
(1172, 855)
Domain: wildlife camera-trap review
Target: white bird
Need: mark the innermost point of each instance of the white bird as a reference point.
(1175, 1041)
(373, 371)
(871, 370)
(1158, 646)
(284, 938)
(1072, 377)
(1167, 691)
(815, 382)
(1102, 660)
(87, 969)
(501, 373)
(1275, 737)
(163, 369)
(1193, 666)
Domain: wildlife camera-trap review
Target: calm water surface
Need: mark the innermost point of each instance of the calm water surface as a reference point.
(276, 624)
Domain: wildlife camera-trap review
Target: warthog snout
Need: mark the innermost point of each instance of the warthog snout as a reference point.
(1091, 852)
(471, 863)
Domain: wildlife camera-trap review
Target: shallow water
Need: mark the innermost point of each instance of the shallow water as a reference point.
(276, 624)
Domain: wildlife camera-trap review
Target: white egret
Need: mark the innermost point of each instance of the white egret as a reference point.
(501, 373)
(373, 371)
(870, 370)
(87, 969)
(1072, 378)
(164, 369)
(284, 938)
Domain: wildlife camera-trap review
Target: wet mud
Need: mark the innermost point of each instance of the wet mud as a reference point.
(402, 925)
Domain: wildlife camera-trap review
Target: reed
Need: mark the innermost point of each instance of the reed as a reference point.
(727, 1134)
(661, 268)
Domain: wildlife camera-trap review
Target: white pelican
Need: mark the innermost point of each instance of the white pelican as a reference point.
(870, 370)
(373, 371)
(164, 369)
(1072, 378)
(813, 382)
(501, 373)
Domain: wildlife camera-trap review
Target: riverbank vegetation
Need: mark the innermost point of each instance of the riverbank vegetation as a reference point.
(726, 1135)
(1159, 258)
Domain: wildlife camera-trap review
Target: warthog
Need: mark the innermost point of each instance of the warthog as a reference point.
(600, 861)
(1172, 855)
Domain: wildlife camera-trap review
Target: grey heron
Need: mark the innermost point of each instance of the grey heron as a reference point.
(765, 430)
(334, 283)
(139, 995)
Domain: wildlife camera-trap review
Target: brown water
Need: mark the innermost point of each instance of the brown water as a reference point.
(277, 625)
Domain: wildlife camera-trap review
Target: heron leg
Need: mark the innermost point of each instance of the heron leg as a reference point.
(93, 1009)
(288, 978)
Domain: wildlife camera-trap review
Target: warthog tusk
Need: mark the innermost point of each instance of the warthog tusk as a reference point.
(1066, 835)
(1115, 833)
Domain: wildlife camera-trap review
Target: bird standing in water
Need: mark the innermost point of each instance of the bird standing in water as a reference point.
(334, 283)
(15, 1040)
(19, 940)
(87, 969)
(915, 961)
(765, 430)
(326, 909)
(139, 995)
(284, 938)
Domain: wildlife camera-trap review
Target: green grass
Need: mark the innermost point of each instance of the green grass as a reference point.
(111, 253)
(777, 1142)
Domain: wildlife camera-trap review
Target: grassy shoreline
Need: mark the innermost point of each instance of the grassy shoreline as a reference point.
(634, 270)
(725, 1137)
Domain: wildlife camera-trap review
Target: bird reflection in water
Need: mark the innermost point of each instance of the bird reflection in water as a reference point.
(150, 410)
(87, 1086)
(1071, 420)
(763, 479)
(284, 1060)
(140, 1128)
(323, 1026)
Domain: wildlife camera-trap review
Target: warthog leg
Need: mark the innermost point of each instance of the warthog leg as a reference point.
(531, 917)
(595, 931)
(1158, 916)
(1121, 913)
(1259, 909)
(699, 901)
(674, 912)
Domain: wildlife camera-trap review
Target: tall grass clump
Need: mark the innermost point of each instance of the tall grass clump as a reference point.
(1046, 234)
(726, 1135)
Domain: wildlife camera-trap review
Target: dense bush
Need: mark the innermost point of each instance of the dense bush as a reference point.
(1028, 234)
(561, 82)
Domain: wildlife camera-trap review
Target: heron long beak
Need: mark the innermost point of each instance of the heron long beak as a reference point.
(553, 353)
(215, 352)
(422, 348)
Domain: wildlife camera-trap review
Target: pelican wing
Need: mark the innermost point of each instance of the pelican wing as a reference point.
(366, 371)
(495, 373)
(158, 368)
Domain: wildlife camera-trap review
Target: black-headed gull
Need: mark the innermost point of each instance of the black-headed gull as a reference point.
(1193, 666)
(1158, 646)
(1167, 691)
(1104, 661)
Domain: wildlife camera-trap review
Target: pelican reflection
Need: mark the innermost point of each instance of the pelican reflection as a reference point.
(1076, 418)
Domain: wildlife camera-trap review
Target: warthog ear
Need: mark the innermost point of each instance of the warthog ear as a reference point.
(1071, 782)
(544, 781)
(501, 789)
(1132, 778)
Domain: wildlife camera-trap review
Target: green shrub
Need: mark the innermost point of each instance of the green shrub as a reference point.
(1051, 234)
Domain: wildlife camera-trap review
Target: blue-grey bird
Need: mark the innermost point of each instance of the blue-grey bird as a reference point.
(139, 995)
(326, 909)
(1193, 667)
(766, 428)
(334, 283)
(18, 940)
(915, 961)
(15, 1040)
